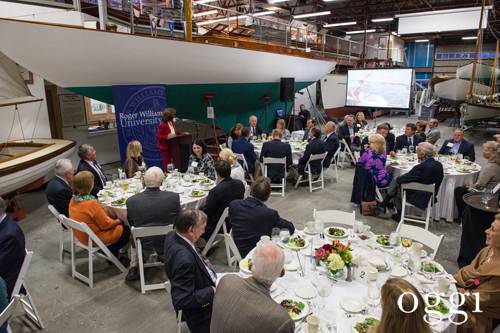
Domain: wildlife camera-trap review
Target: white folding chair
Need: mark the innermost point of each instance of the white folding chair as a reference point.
(90, 248)
(9, 311)
(232, 252)
(241, 157)
(422, 236)
(378, 193)
(346, 152)
(178, 317)
(142, 232)
(335, 217)
(430, 205)
(279, 161)
(61, 230)
(26, 300)
(212, 240)
(307, 170)
(334, 164)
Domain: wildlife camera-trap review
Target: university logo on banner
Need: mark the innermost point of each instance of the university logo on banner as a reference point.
(138, 111)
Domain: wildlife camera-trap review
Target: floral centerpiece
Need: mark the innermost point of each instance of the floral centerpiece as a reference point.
(334, 256)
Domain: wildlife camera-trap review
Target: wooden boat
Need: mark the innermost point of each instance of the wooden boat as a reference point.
(27, 164)
(455, 90)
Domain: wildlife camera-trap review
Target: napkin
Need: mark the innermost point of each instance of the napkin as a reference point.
(377, 260)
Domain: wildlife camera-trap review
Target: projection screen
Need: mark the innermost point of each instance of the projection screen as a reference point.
(379, 88)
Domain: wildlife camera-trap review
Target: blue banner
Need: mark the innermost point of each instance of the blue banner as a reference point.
(138, 111)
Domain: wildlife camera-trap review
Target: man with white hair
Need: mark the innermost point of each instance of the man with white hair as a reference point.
(331, 141)
(458, 145)
(427, 171)
(253, 128)
(245, 305)
(433, 134)
(152, 207)
(58, 190)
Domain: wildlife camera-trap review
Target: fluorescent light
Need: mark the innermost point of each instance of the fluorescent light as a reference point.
(469, 38)
(355, 32)
(312, 14)
(329, 0)
(224, 19)
(201, 2)
(422, 41)
(339, 24)
(208, 12)
(264, 13)
(386, 19)
(395, 34)
(444, 11)
(276, 1)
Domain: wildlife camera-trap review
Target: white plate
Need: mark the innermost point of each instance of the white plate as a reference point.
(322, 328)
(351, 305)
(303, 313)
(296, 248)
(336, 237)
(306, 292)
(197, 196)
(447, 304)
(398, 271)
(423, 279)
(384, 246)
(244, 266)
(293, 266)
(438, 265)
(361, 320)
(309, 232)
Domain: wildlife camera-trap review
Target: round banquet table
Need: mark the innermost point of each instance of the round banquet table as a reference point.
(286, 286)
(445, 207)
(174, 183)
(298, 148)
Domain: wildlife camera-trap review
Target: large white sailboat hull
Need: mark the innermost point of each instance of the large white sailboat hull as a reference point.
(456, 89)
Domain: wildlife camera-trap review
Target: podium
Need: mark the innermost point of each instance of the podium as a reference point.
(181, 149)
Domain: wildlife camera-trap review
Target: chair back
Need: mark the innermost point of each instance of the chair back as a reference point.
(418, 187)
(215, 233)
(54, 212)
(335, 217)
(273, 160)
(22, 272)
(83, 227)
(421, 235)
(9, 310)
(141, 232)
(315, 157)
(241, 157)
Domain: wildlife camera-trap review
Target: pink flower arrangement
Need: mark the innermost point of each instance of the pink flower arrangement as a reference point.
(336, 247)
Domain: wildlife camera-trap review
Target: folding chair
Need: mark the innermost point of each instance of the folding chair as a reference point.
(430, 205)
(307, 170)
(62, 231)
(25, 299)
(178, 317)
(378, 193)
(335, 217)
(281, 161)
(9, 311)
(346, 152)
(90, 248)
(241, 157)
(421, 235)
(334, 164)
(232, 252)
(212, 240)
(142, 232)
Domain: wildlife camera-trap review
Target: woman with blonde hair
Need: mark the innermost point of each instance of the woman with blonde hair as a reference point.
(395, 319)
(280, 125)
(421, 126)
(374, 159)
(360, 120)
(134, 161)
(237, 171)
(85, 208)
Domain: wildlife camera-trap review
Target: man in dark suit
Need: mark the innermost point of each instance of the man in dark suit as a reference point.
(58, 190)
(152, 207)
(251, 218)
(253, 127)
(315, 146)
(12, 249)
(277, 149)
(311, 123)
(331, 141)
(88, 162)
(458, 145)
(383, 130)
(348, 132)
(304, 116)
(428, 171)
(227, 190)
(243, 146)
(192, 279)
(409, 139)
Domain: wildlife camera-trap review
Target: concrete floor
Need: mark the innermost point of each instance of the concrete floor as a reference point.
(67, 305)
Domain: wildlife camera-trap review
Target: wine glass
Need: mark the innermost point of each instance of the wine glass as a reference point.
(404, 151)
(373, 294)
(284, 235)
(170, 167)
(275, 235)
(486, 197)
(411, 149)
(324, 290)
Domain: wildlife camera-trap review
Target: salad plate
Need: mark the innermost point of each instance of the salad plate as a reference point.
(297, 243)
(364, 324)
(336, 232)
(296, 309)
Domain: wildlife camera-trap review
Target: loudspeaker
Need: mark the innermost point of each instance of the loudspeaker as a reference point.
(287, 89)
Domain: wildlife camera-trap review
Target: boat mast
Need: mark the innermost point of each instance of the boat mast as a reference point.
(476, 51)
(494, 73)
(188, 11)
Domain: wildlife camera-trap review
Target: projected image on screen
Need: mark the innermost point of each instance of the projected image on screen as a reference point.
(382, 88)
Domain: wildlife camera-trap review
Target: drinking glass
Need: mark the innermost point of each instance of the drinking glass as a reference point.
(404, 151)
(394, 239)
(486, 197)
(170, 167)
(324, 289)
(411, 149)
(373, 294)
(460, 156)
(275, 235)
(114, 178)
(284, 235)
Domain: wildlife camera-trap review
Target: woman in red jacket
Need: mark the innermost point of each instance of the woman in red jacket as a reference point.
(166, 131)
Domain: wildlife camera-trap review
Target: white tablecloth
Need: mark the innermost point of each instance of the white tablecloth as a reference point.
(297, 150)
(445, 207)
(357, 289)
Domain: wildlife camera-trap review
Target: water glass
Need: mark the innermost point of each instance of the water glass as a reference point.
(411, 149)
(373, 294)
(324, 289)
(404, 151)
(394, 239)
(486, 197)
(170, 167)
(284, 235)
(275, 235)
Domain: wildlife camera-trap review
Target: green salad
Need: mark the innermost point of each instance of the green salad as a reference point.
(441, 307)
(336, 232)
(429, 267)
(196, 193)
(119, 202)
(294, 308)
(296, 241)
(383, 240)
(365, 326)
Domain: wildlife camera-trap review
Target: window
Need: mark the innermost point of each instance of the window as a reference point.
(98, 111)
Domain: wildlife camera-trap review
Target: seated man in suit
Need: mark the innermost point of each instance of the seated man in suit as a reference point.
(315, 146)
(192, 279)
(278, 149)
(409, 139)
(428, 171)
(150, 208)
(226, 190)
(433, 134)
(251, 218)
(348, 132)
(253, 127)
(383, 130)
(245, 305)
(12, 249)
(458, 145)
(311, 123)
(58, 190)
(88, 162)
(243, 146)
(331, 141)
